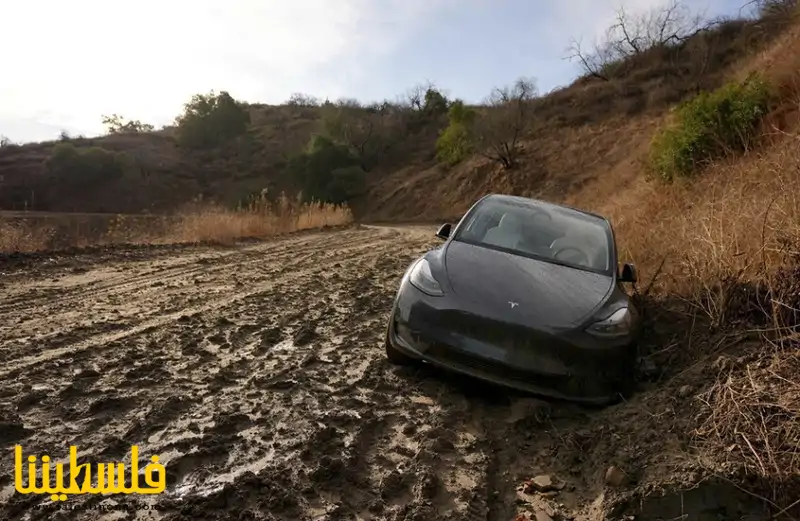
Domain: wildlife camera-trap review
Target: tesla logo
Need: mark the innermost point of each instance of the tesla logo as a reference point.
(513, 304)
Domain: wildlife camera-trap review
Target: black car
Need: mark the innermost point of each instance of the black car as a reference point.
(525, 294)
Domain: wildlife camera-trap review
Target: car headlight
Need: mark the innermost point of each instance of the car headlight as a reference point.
(619, 323)
(422, 279)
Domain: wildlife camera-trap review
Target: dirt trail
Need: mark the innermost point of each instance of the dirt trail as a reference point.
(258, 376)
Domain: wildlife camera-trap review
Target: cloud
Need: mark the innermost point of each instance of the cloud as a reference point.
(144, 59)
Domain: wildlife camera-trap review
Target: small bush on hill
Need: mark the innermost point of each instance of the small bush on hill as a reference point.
(455, 142)
(211, 119)
(495, 132)
(710, 126)
(499, 129)
(80, 166)
(371, 132)
(346, 183)
(436, 103)
(327, 171)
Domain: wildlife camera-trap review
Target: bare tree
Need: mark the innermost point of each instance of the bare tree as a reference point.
(298, 99)
(414, 98)
(116, 124)
(592, 60)
(670, 23)
(367, 130)
(500, 127)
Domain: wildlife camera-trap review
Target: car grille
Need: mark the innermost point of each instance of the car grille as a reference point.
(514, 336)
(603, 380)
(449, 355)
(490, 331)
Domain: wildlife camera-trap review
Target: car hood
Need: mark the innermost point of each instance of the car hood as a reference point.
(546, 296)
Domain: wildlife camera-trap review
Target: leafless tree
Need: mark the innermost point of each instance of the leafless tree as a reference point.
(367, 130)
(298, 99)
(500, 127)
(419, 97)
(414, 98)
(593, 59)
(670, 23)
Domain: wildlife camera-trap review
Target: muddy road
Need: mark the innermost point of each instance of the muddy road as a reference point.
(257, 374)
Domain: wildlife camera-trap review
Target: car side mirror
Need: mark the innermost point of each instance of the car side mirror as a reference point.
(628, 273)
(444, 231)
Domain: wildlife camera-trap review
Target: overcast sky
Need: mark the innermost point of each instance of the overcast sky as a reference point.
(65, 64)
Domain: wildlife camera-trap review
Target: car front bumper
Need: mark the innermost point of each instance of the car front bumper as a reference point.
(574, 367)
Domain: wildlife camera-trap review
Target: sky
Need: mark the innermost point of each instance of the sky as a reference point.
(65, 64)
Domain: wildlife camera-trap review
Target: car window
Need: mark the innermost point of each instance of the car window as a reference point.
(544, 231)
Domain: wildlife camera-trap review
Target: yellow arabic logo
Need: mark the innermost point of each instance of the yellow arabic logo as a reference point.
(110, 476)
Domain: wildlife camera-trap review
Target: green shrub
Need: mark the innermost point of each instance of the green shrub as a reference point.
(436, 103)
(211, 119)
(710, 126)
(80, 166)
(456, 143)
(327, 171)
(346, 184)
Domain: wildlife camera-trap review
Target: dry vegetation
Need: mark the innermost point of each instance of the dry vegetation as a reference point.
(22, 237)
(197, 222)
(260, 219)
(722, 258)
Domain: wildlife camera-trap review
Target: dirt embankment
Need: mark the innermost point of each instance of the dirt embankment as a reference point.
(256, 373)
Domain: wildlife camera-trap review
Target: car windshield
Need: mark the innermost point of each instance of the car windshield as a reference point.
(540, 230)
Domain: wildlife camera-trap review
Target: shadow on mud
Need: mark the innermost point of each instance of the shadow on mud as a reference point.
(711, 500)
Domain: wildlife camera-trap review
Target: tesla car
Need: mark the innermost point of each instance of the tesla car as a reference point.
(522, 293)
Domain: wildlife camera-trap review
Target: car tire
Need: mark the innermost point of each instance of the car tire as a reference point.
(394, 355)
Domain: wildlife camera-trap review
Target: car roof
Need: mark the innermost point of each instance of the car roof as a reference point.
(530, 200)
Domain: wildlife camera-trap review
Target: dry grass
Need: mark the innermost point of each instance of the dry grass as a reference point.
(260, 219)
(198, 222)
(16, 237)
(726, 247)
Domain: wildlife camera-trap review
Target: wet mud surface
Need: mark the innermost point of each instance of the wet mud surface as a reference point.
(258, 376)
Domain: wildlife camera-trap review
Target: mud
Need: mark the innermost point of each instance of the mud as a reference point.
(257, 374)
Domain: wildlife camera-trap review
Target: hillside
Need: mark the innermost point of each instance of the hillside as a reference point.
(157, 174)
(571, 136)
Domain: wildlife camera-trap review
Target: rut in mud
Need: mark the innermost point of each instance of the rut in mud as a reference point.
(257, 374)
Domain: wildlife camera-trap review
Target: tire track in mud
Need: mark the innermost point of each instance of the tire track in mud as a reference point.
(196, 263)
(181, 307)
(272, 401)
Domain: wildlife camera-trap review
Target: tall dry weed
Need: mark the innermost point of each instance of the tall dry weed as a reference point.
(728, 244)
(197, 222)
(19, 237)
(259, 219)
